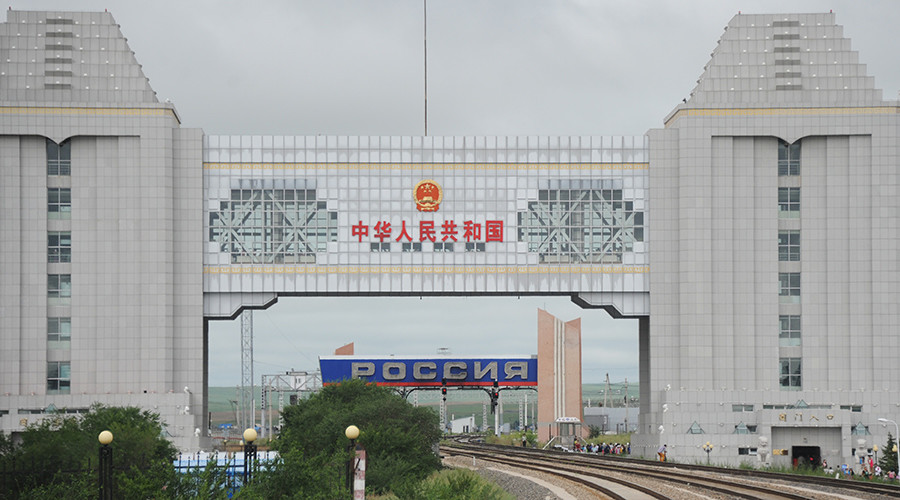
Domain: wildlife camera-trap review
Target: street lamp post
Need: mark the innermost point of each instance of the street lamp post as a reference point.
(707, 448)
(352, 432)
(106, 485)
(897, 449)
(249, 454)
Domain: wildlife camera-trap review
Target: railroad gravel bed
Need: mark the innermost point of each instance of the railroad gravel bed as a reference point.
(811, 491)
(517, 486)
(528, 490)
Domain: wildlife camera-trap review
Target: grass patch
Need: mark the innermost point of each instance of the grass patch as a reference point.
(450, 484)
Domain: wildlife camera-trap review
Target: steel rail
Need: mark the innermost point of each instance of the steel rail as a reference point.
(567, 475)
(678, 478)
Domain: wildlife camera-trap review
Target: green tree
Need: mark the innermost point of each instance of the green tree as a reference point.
(888, 460)
(294, 476)
(400, 439)
(56, 456)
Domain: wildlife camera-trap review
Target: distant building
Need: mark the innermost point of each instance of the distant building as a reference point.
(463, 425)
(611, 420)
(559, 373)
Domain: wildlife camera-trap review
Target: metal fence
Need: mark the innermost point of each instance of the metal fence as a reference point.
(228, 468)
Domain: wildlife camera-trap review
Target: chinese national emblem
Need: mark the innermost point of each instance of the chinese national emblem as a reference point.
(428, 196)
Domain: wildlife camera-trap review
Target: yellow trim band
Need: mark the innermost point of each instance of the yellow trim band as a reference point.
(871, 110)
(88, 111)
(425, 166)
(301, 269)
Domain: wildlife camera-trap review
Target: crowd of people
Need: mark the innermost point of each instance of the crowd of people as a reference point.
(868, 469)
(603, 448)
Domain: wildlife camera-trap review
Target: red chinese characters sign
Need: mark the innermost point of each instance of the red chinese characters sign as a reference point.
(428, 196)
(448, 231)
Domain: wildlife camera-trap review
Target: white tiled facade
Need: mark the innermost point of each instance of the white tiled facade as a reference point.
(716, 355)
(590, 191)
(123, 234)
(129, 202)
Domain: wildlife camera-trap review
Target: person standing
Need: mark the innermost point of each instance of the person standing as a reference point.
(662, 453)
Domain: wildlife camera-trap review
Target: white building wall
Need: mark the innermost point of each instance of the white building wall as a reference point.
(137, 333)
(714, 342)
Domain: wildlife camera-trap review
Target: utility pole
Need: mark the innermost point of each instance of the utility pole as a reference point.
(443, 405)
(248, 413)
(497, 409)
(606, 392)
(425, 51)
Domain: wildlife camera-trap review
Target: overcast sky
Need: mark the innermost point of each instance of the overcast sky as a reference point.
(512, 67)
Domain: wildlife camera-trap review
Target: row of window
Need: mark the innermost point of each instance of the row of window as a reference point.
(790, 373)
(59, 250)
(740, 428)
(439, 247)
(801, 404)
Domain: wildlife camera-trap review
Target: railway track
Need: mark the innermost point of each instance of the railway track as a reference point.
(614, 488)
(611, 476)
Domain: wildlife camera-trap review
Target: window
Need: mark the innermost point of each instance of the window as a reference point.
(59, 285)
(443, 247)
(788, 158)
(790, 378)
(789, 288)
(860, 430)
(747, 451)
(59, 377)
(59, 203)
(696, 429)
(788, 203)
(741, 407)
(59, 333)
(789, 335)
(59, 246)
(59, 157)
(474, 247)
(789, 246)
(743, 428)
(380, 247)
(412, 247)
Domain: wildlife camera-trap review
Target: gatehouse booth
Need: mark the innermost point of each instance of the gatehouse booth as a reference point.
(566, 432)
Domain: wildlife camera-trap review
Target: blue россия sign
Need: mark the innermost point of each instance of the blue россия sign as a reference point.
(412, 372)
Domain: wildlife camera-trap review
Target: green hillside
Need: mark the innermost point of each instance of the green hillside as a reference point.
(460, 403)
